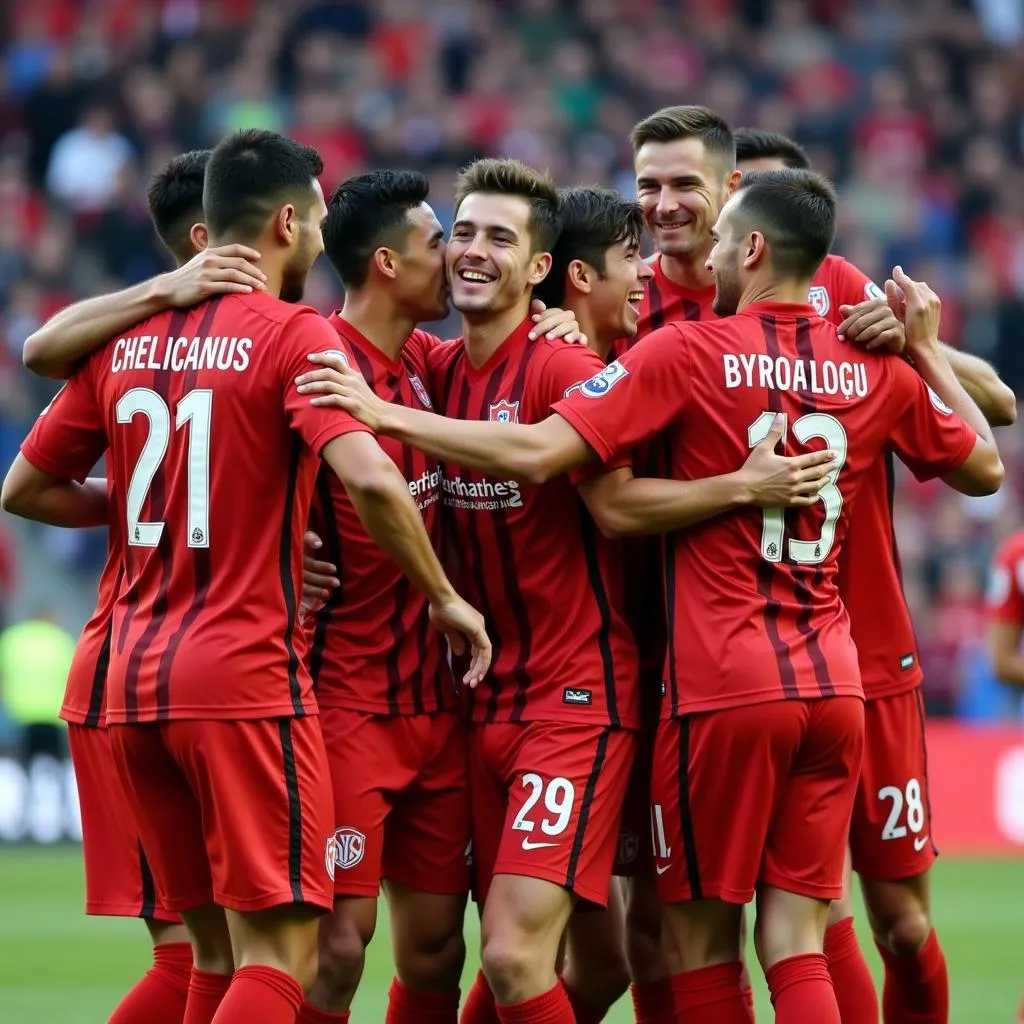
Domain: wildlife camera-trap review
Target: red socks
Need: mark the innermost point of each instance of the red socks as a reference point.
(480, 1007)
(711, 995)
(553, 1007)
(409, 1006)
(310, 1014)
(205, 993)
(802, 990)
(854, 987)
(159, 995)
(585, 1012)
(261, 994)
(653, 1002)
(916, 987)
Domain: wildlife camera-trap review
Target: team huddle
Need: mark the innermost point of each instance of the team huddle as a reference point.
(593, 614)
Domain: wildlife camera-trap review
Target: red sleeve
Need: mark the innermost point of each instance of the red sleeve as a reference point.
(69, 437)
(303, 334)
(928, 436)
(633, 398)
(1003, 597)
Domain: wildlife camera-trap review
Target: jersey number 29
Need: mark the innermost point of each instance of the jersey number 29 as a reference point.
(804, 552)
(195, 408)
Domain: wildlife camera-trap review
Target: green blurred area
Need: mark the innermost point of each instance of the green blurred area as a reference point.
(57, 964)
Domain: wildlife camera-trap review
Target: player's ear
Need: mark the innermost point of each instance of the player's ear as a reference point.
(756, 249)
(732, 180)
(541, 264)
(579, 276)
(199, 236)
(385, 262)
(286, 223)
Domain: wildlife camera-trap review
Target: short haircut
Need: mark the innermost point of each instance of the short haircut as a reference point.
(512, 178)
(250, 174)
(796, 212)
(754, 144)
(175, 197)
(366, 212)
(670, 124)
(593, 220)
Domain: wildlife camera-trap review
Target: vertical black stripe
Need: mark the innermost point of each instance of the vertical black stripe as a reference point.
(805, 351)
(686, 812)
(146, 886)
(332, 548)
(588, 798)
(655, 307)
(291, 782)
(99, 675)
(202, 569)
(691, 309)
(925, 784)
(285, 571)
(766, 569)
(164, 554)
(589, 536)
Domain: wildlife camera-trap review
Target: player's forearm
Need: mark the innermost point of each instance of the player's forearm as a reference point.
(648, 505)
(76, 331)
(501, 449)
(1009, 668)
(938, 374)
(60, 503)
(393, 520)
(996, 401)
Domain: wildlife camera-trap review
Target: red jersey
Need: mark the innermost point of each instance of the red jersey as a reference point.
(213, 456)
(546, 581)
(1004, 598)
(870, 581)
(761, 583)
(372, 647)
(84, 696)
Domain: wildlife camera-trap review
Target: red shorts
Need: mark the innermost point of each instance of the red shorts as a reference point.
(401, 801)
(756, 794)
(118, 879)
(547, 802)
(635, 855)
(891, 830)
(236, 813)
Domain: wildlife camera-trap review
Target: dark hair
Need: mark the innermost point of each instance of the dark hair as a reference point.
(754, 144)
(366, 212)
(512, 178)
(175, 197)
(593, 220)
(796, 212)
(687, 122)
(250, 174)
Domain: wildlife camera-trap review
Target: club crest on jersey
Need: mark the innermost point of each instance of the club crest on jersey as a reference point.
(421, 391)
(818, 298)
(602, 382)
(345, 849)
(504, 412)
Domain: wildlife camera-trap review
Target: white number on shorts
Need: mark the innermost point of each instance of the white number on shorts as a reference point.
(195, 408)
(804, 552)
(915, 809)
(559, 795)
(662, 851)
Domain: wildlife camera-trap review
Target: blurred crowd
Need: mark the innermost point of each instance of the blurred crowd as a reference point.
(914, 107)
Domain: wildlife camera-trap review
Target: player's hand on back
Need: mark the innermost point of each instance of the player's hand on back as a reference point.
(461, 623)
(224, 270)
(318, 578)
(917, 307)
(772, 480)
(555, 323)
(873, 324)
(337, 384)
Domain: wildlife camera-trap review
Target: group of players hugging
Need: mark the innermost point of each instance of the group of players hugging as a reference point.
(594, 613)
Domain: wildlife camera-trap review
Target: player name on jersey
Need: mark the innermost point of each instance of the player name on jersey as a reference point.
(779, 373)
(154, 352)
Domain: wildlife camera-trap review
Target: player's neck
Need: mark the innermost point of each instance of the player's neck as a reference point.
(790, 292)
(597, 340)
(484, 333)
(377, 321)
(688, 271)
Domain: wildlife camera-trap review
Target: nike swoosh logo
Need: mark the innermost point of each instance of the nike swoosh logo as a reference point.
(527, 845)
(661, 870)
(919, 843)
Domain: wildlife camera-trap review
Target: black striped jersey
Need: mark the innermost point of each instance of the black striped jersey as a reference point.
(371, 646)
(529, 556)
